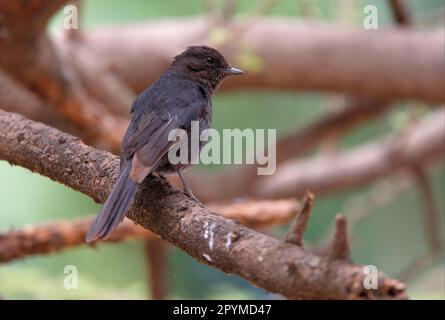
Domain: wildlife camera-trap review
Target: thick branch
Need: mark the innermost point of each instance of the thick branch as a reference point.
(267, 262)
(303, 56)
(87, 80)
(51, 238)
(54, 237)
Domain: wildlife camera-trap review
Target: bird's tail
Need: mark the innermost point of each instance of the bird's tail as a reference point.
(115, 208)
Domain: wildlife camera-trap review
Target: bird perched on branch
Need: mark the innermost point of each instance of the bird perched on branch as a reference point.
(181, 95)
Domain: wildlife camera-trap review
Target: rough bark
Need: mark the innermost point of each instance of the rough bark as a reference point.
(268, 263)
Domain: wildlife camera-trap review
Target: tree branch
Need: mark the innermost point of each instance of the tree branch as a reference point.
(329, 57)
(339, 248)
(298, 226)
(89, 80)
(157, 268)
(51, 238)
(222, 243)
(420, 145)
(57, 236)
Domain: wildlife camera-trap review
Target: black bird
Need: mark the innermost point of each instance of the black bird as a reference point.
(181, 95)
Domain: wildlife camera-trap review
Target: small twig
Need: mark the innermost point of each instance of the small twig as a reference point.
(298, 226)
(156, 256)
(339, 248)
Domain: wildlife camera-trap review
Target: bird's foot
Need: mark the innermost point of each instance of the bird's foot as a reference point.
(186, 187)
(189, 193)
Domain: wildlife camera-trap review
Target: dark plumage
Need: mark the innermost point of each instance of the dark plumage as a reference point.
(181, 95)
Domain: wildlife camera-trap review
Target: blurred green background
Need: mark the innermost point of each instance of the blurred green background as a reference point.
(390, 239)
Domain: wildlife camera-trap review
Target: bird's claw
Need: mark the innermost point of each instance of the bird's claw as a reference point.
(190, 194)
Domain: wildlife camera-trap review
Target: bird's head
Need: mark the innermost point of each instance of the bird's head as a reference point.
(205, 65)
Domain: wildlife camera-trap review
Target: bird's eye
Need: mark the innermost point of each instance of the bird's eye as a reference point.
(210, 60)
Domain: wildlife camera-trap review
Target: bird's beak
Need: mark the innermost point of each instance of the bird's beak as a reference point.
(234, 71)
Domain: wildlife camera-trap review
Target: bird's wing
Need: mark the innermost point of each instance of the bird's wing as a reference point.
(153, 117)
(147, 157)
